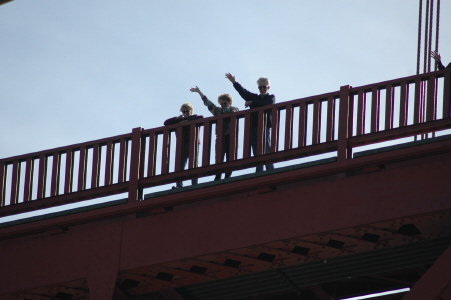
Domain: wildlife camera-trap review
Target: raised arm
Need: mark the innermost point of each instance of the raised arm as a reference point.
(435, 55)
(211, 106)
(230, 77)
(197, 90)
(438, 59)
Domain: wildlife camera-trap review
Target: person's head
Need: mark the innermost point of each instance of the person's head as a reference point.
(187, 109)
(225, 100)
(263, 85)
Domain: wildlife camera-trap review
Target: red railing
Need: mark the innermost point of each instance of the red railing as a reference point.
(337, 121)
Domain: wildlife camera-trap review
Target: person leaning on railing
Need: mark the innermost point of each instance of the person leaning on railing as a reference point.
(438, 60)
(257, 100)
(225, 101)
(187, 110)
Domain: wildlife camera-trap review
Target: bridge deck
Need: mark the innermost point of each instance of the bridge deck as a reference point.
(347, 225)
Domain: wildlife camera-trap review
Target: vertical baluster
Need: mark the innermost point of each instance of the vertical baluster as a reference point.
(28, 180)
(165, 151)
(134, 190)
(316, 122)
(375, 110)
(261, 132)
(152, 159)
(361, 112)
(302, 124)
(233, 138)
(389, 106)
(247, 136)
(55, 181)
(418, 106)
(3, 174)
(431, 102)
(69, 176)
(275, 128)
(178, 148)
(142, 161)
(42, 177)
(109, 163)
(123, 155)
(82, 164)
(193, 143)
(15, 183)
(219, 141)
(206, 144)
(330, 126)
(344, 126)
(403, 104)
(447, 94)
(96, 159)
(288, 127)
(350, 113)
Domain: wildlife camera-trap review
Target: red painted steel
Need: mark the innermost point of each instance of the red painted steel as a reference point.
(403, 117)
(28, 184)
(343, 124)
(207, 142)
(302, 133)
(193, 143)
(133, 190)
(101, 249)
(219, 141)
(434, 281)
(288, 128)
(233, 139)
(274, 131)
(447, 95)
(389, 114)
(375, 109)
(152, 157)
(349, 117)
(330, 123)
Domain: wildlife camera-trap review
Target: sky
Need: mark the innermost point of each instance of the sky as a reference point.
(75, 71)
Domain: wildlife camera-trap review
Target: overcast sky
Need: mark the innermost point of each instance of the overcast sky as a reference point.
(75, 70)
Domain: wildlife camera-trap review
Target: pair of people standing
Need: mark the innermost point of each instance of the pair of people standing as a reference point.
(225, 101)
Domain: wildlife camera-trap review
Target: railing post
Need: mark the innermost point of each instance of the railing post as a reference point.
(135, 160)
(344, 152)
(447, 94)
(2, 184)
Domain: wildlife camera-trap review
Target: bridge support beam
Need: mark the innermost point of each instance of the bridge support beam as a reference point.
(105, 250)
(434, 281)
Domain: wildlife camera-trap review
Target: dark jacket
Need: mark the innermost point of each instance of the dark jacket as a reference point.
(257, 101)
(186, 129)
(441, 66)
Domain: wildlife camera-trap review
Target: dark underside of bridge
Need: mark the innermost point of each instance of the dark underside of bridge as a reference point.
(317, 231)
(335, 265)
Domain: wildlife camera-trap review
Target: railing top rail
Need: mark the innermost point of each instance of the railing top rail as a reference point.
(239, 114)
(398, 81)
(65, 148)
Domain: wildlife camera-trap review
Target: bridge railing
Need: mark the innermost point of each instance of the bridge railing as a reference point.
(332, 122)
